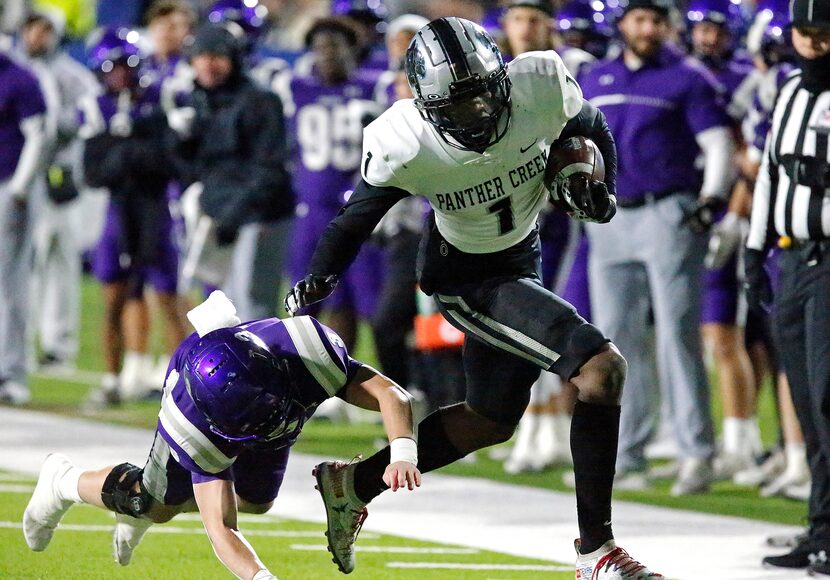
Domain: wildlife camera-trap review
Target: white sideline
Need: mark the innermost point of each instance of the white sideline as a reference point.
(474, 513)
(457, 566)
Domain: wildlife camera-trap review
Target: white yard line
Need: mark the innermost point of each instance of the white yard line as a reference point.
(474, 513)
(387, 549)
(167, 529)
(16, 488)
(499, 567)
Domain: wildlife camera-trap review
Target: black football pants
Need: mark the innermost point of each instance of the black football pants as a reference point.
(802, 321)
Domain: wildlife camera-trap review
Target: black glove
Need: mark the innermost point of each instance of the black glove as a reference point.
(309, 290)
(599, 205)
(703, 214)
(225, 234)
(584, 200)
(756, 281)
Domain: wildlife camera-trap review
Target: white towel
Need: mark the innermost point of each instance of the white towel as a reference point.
(214, 313)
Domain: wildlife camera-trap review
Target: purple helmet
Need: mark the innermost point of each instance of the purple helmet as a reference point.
(584, 16)
(108, 46)
(724, 12)
(242, 389)
(593, 20)
(769, 34)
(250, 15)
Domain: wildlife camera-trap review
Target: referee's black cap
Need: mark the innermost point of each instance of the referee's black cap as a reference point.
(810, 13)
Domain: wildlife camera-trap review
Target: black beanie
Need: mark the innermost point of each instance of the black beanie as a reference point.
(216, 39)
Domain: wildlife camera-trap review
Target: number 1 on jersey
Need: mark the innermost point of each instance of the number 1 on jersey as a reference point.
(504, 212)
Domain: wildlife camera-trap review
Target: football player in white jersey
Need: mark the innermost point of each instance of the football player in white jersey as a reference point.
(474, 142)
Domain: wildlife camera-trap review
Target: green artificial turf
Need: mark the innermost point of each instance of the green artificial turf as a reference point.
(179, 549)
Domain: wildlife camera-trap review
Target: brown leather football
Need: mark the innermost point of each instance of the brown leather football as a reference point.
(574, 156)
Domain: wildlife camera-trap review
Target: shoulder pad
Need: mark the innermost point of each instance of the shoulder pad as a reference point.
(389, 143)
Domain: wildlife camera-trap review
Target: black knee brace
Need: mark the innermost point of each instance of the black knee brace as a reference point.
(118, 493)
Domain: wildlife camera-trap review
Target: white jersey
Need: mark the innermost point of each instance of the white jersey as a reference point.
(483, 202)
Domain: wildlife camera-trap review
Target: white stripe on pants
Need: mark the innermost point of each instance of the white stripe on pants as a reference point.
(646, 259)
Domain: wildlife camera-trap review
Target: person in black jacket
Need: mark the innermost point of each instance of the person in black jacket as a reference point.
(231, 139)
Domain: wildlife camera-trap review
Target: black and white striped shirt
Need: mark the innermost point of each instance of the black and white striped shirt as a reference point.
(792, 193)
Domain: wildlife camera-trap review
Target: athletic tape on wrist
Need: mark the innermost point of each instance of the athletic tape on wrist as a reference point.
(403, 449)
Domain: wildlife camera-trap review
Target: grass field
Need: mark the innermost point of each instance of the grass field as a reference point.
(292, 550)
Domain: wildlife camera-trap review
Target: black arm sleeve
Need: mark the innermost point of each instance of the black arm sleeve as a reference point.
(353, 225)
(591, 123)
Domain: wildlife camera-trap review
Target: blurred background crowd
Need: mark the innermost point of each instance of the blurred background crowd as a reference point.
(172, 147)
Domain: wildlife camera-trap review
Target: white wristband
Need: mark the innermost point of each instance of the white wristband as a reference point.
(264, 574)
(403, 449)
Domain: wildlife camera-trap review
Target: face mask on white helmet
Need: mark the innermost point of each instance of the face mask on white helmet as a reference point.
(460, 83)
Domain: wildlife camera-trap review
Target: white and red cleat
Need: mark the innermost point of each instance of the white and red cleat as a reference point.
(610, 562)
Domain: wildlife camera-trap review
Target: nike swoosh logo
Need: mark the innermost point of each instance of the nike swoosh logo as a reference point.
(526, 149)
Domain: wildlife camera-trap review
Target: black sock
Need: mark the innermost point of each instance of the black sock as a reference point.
(434, 451)
(595, 430)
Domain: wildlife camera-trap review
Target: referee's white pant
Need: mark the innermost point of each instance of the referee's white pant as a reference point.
(647, 260)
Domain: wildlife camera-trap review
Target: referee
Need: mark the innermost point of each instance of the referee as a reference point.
(792, 204)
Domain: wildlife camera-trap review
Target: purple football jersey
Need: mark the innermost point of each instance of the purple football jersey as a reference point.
(731, 75)
(320, 367)
(655, 112)
(326, 126)
(759, 118)
(110, 262)
(96, 114)
(154, 70)
(20, 98)
(376, 61)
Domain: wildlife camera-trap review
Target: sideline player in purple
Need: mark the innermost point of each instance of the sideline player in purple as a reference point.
(326, 110)
(123, 134)
(580, 25)
(169, 23)
(786, 471)
(713, 25)
(219, 450)
(714, 28)
(23, 138)
(664, 110)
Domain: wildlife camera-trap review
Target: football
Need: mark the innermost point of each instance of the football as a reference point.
(576, 156)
